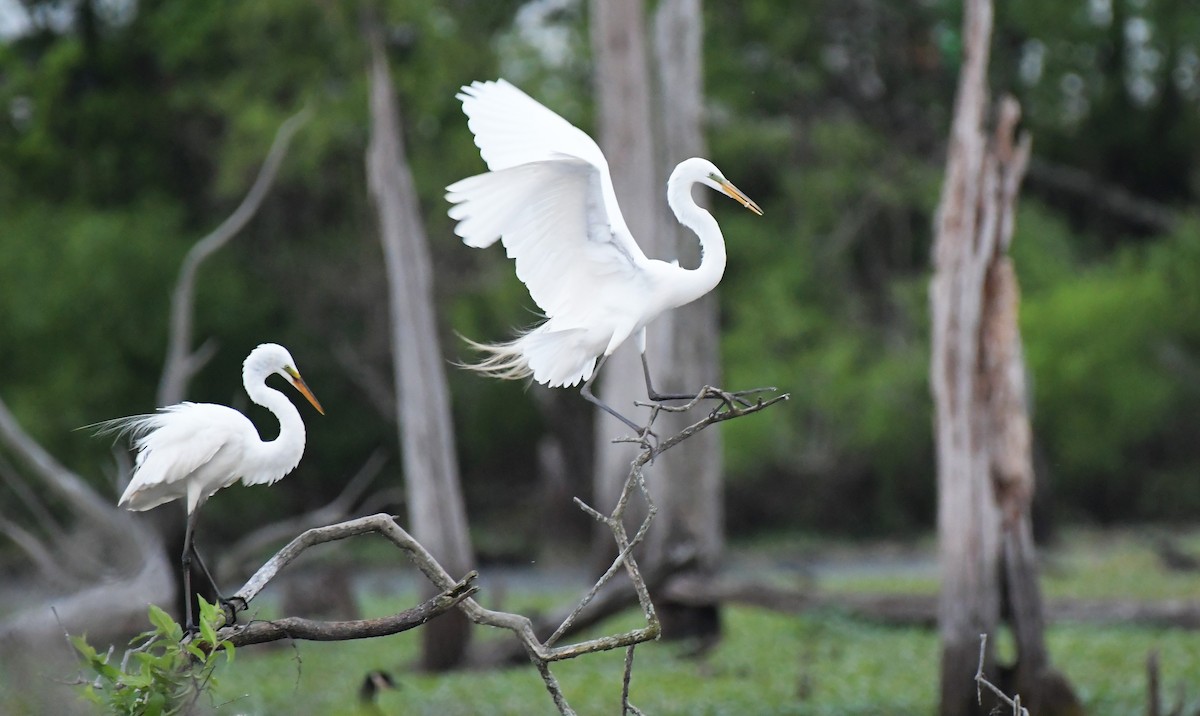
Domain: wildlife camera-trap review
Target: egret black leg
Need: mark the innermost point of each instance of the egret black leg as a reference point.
(188, 551)
(586, 392)
(654, 394)
(707, 392)
(208, 575)
(225, 602)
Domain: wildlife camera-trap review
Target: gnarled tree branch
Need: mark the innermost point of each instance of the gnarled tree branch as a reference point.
(182, 362)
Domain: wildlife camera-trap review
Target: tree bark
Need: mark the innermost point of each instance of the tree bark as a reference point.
(985, 474)
(435, 505)
(690, 518)
(625, 134)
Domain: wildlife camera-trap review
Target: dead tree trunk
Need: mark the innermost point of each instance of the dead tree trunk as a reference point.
(436, 511)
(625, 133)
(689, 529)
(985, 474)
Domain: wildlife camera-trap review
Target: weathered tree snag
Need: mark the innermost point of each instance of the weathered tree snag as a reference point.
(131, 548)
(435, 505)
(985, 474)
(626, 135)
(690, 520)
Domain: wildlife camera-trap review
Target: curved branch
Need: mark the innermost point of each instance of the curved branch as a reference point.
(336, 509)
(458, 593)
(258, 632)
(181, 362)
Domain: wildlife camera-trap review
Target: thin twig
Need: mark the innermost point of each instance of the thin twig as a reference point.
(337, 508)
(981, 681)
(459, 593)
(626, 707)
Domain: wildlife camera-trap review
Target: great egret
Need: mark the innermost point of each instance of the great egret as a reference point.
(190, 450)
(549, 198)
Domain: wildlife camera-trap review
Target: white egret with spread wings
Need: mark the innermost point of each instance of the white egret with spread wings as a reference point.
(549, 198)
(190, 450)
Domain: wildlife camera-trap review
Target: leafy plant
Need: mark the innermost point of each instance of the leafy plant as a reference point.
(161, 672)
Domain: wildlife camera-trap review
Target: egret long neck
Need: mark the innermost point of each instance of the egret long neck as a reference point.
(706, 276)
(284, 452)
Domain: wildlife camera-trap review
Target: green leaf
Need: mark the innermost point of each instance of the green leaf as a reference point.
(208, 633)
(163, 622)
(83, 647)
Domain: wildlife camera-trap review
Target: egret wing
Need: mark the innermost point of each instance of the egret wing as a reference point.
(511, 128)
(548, 216)
(175, 443)
(549, 197)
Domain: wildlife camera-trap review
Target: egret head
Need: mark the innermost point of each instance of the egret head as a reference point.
(707, 173)
(271, 358)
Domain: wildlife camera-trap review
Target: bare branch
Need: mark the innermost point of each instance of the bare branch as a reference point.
(454, 593)
(372, 383)
(1111, 199)
(732, 405)
(981, 681)
(114, 605)
(181, 362)
(335, 510)
(69, 486)
(626, 707)
(258, 632)
(47, 563)
(29, 501)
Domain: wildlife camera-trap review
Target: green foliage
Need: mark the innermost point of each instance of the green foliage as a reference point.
(161, 673)
(125, 142)
(1109, 353)
(825, 298)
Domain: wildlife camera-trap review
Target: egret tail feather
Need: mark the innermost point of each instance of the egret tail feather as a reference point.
(556, 358)
(504, 360)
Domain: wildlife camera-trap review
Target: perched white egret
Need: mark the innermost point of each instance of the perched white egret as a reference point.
(190, 450)
(549, 198)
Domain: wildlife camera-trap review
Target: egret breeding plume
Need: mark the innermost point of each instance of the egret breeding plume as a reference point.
(190, 450)
(549, 198)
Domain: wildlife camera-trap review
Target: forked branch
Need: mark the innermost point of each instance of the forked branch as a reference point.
(459, 592)
(981, 681)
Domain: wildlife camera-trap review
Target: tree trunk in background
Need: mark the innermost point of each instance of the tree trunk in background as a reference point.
(690, 519)
(436, 512)
(625, 134)
(985, 475)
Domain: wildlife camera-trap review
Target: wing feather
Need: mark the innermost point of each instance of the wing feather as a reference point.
(178, 442)
(511, 128)
(548, 197)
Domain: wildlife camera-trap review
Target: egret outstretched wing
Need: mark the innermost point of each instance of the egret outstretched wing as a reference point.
(549, 197)
(511, 128)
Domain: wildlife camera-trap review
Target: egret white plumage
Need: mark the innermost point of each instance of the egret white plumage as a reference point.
(190, 450)
(549, 198)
